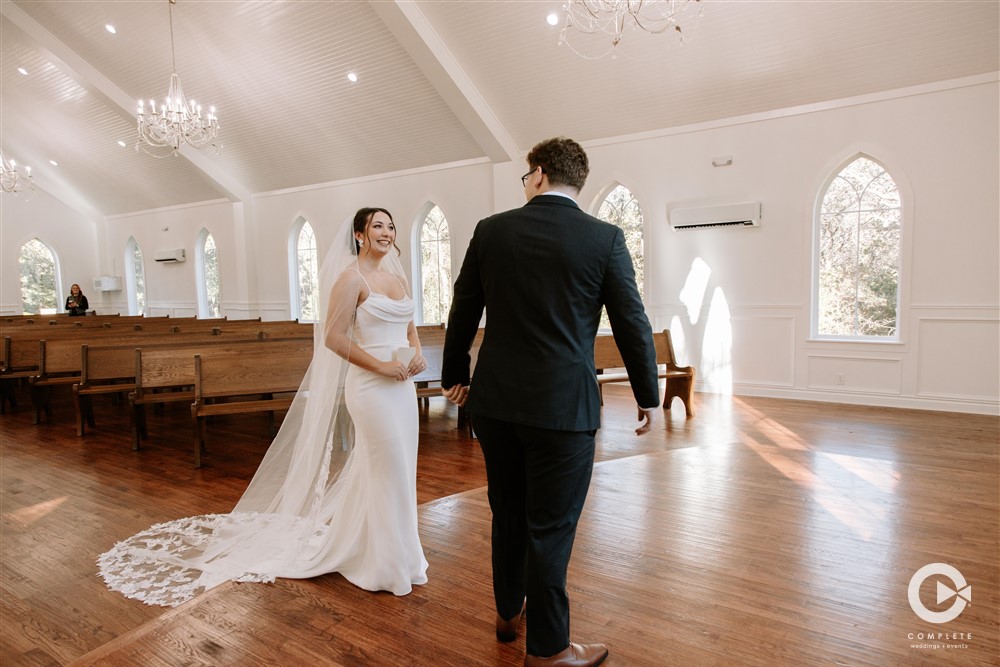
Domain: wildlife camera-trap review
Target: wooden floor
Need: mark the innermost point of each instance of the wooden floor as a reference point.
(761, 532)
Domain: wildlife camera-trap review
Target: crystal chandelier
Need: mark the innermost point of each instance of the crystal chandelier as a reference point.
(616, 17)
(11, 179)
(176, 120)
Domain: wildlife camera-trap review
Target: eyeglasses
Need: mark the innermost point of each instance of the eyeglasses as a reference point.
(524, 179)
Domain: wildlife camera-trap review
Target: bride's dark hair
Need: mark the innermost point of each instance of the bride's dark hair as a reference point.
(361, 221)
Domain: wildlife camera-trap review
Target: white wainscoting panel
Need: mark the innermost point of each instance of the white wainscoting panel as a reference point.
(959, 358)
(764, 350)
(847, 373)
(271, 311)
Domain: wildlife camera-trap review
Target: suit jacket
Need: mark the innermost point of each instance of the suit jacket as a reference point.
(542, 273)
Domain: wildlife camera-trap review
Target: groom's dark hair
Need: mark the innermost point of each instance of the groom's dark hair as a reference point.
(361, 220)
(563, 160)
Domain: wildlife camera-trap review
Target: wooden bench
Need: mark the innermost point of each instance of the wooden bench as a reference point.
(430, 335)
(263, 380)
(165, 374)
(60, 361)
(103, 370)
(679, 379)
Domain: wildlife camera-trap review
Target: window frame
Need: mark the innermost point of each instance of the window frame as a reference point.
(200, 275)
(902, 285)
(130, 283)
(419, 265)
(294, 288)
(57, 273)
(595, 209)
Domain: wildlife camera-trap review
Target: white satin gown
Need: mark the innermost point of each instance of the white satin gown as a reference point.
(365, 528)
(378, 547)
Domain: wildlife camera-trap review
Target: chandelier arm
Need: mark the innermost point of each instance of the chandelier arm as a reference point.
(614, 17)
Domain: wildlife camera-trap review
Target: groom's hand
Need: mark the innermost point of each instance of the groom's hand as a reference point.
(456, 394)
(647, 417)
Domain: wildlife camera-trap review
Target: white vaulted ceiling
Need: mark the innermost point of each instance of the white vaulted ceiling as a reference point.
(438, 82)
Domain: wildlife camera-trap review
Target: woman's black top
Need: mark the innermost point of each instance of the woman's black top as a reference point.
(81, 304)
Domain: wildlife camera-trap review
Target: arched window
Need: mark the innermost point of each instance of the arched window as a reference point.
(435, 267)
(207, 270)
(135, 278)
(858, 254)
(621, 209)
(304, 262)
(39, 291)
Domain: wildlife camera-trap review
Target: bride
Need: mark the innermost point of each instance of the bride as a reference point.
(316, 504)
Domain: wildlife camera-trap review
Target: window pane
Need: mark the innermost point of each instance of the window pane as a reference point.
(307, 261)
(212, 290)
(435, 267)
(859, 251)
(621, 209)
(38, 278)
(138, 279)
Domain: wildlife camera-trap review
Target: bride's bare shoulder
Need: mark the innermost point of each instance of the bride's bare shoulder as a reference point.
(349, 280)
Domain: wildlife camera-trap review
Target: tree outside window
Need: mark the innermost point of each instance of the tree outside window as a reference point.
(213, 292)
(621, 209)
(435, 267)
(307, 262)
(135, 264)
(859, 254)
(38, 279)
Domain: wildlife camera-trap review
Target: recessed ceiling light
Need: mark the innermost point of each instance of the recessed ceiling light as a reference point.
(352, 77)
(22, 71)
(110, 28)
(552, 19)
(121, 143)
(53, 163)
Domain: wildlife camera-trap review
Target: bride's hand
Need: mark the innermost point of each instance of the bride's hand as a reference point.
(393, 369)
(417, 365)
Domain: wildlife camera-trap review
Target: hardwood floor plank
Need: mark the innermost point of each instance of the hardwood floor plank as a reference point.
(761, 532)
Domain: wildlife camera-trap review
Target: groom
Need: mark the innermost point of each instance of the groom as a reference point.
(542, 272)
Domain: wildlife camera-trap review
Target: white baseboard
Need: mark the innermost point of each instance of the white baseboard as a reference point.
(973, 406)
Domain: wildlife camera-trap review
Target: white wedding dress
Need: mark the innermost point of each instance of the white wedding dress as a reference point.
(360, 522)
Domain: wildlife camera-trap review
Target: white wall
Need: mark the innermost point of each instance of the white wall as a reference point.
(72, 237)
(750, 333)
(171, 287)
(746, 326)
(464, 194)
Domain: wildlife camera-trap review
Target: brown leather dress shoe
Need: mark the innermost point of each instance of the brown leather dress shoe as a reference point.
(574, 655)
(507, 630)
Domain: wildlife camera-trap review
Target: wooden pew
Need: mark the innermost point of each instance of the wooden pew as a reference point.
(165, 374)
(679, 379)
(61, 363)
(430, 335)
(103, 370)
(59, 318)
(285, 329)
(248, 381)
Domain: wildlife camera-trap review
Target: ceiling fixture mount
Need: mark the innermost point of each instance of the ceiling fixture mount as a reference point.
(614, 18)
(164, 128)
(11, 180)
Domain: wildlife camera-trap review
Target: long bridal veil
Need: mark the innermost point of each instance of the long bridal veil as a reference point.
(279, 526)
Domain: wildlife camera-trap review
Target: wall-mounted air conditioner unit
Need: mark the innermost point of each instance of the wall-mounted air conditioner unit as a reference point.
(170, 255)
(108, 283)
(729, 215)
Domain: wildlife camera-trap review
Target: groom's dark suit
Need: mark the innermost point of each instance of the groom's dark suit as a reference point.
(542, 273)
